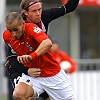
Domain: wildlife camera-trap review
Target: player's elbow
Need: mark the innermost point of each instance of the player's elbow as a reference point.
(49, 43)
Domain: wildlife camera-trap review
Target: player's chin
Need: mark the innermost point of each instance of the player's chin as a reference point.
(17, 38)
(37, 20)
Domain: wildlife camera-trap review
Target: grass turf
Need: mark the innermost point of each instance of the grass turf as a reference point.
(3, 98)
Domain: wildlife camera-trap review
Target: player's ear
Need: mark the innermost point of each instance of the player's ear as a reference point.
(25, 12)
(23, 22)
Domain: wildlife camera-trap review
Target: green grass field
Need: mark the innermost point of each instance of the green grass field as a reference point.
(3, 98)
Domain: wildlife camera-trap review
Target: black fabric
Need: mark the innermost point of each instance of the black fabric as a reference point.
(53, 13)
(11, 89)
(47, 16)
(44, 95)
(71, 5)
(15, 68)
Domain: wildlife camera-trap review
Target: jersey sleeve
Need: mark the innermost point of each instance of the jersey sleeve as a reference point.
(71, 5)
(7, 36)
(54, 13)
(36, 33)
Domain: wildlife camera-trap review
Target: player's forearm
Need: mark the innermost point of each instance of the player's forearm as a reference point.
(44, 47)
(71, 5)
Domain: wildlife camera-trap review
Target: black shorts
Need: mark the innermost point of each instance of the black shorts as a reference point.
(15, 69)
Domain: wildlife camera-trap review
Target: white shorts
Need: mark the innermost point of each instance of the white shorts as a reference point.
(58, 87)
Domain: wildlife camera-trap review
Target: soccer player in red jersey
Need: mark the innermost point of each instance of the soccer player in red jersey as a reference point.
(32, 46)
(33, 13)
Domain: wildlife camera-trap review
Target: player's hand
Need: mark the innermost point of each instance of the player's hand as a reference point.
(34, 72)
(7, 64)
(24, 58)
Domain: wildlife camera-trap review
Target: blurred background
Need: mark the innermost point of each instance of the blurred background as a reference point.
(79, 36)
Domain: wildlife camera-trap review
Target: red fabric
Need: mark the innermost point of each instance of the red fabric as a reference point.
(85, 2)
(38, 24)
(62, 56)
(64, 1)
(89, 3)
(33, 55)
(28, 44)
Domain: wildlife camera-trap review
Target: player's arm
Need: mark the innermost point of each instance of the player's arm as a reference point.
(42, 39)
(54, 13)
(13, 65)
(71, 5)
(44, 46)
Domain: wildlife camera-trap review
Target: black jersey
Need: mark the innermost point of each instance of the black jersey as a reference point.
(47, 16)
(53, 13)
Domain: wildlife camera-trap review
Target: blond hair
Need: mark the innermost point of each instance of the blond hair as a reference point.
(24, 5)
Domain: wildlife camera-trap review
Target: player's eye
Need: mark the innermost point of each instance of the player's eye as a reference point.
(9, 30)
(16, 29)
(34, 11)
(40, 9)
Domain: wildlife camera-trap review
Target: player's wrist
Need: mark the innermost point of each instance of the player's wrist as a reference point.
(34, 55)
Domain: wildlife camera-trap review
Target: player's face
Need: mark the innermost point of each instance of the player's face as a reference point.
(33, 15)
(16, 29)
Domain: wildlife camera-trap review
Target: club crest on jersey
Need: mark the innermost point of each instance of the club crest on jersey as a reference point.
(29, 47)
(37, 29)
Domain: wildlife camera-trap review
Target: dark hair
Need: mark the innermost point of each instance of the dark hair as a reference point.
(12, 16)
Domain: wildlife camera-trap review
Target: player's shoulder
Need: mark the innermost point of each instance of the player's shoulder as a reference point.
(7, 35)
(30, 28)
(28, 25)
(5, 32)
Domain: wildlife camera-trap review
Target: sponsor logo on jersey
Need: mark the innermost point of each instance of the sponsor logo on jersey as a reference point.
(37, 29)
(29, 47)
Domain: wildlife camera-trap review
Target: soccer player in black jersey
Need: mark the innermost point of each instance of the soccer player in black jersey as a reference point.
(32, 13)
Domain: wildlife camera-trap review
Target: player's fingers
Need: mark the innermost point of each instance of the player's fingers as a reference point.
(34, 72)
(37, 74)
(36, 69)
(20, 59)
(26, 58)
(7, 63)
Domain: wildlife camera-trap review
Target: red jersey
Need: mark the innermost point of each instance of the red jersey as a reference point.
(30, 41)
(62, 56)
